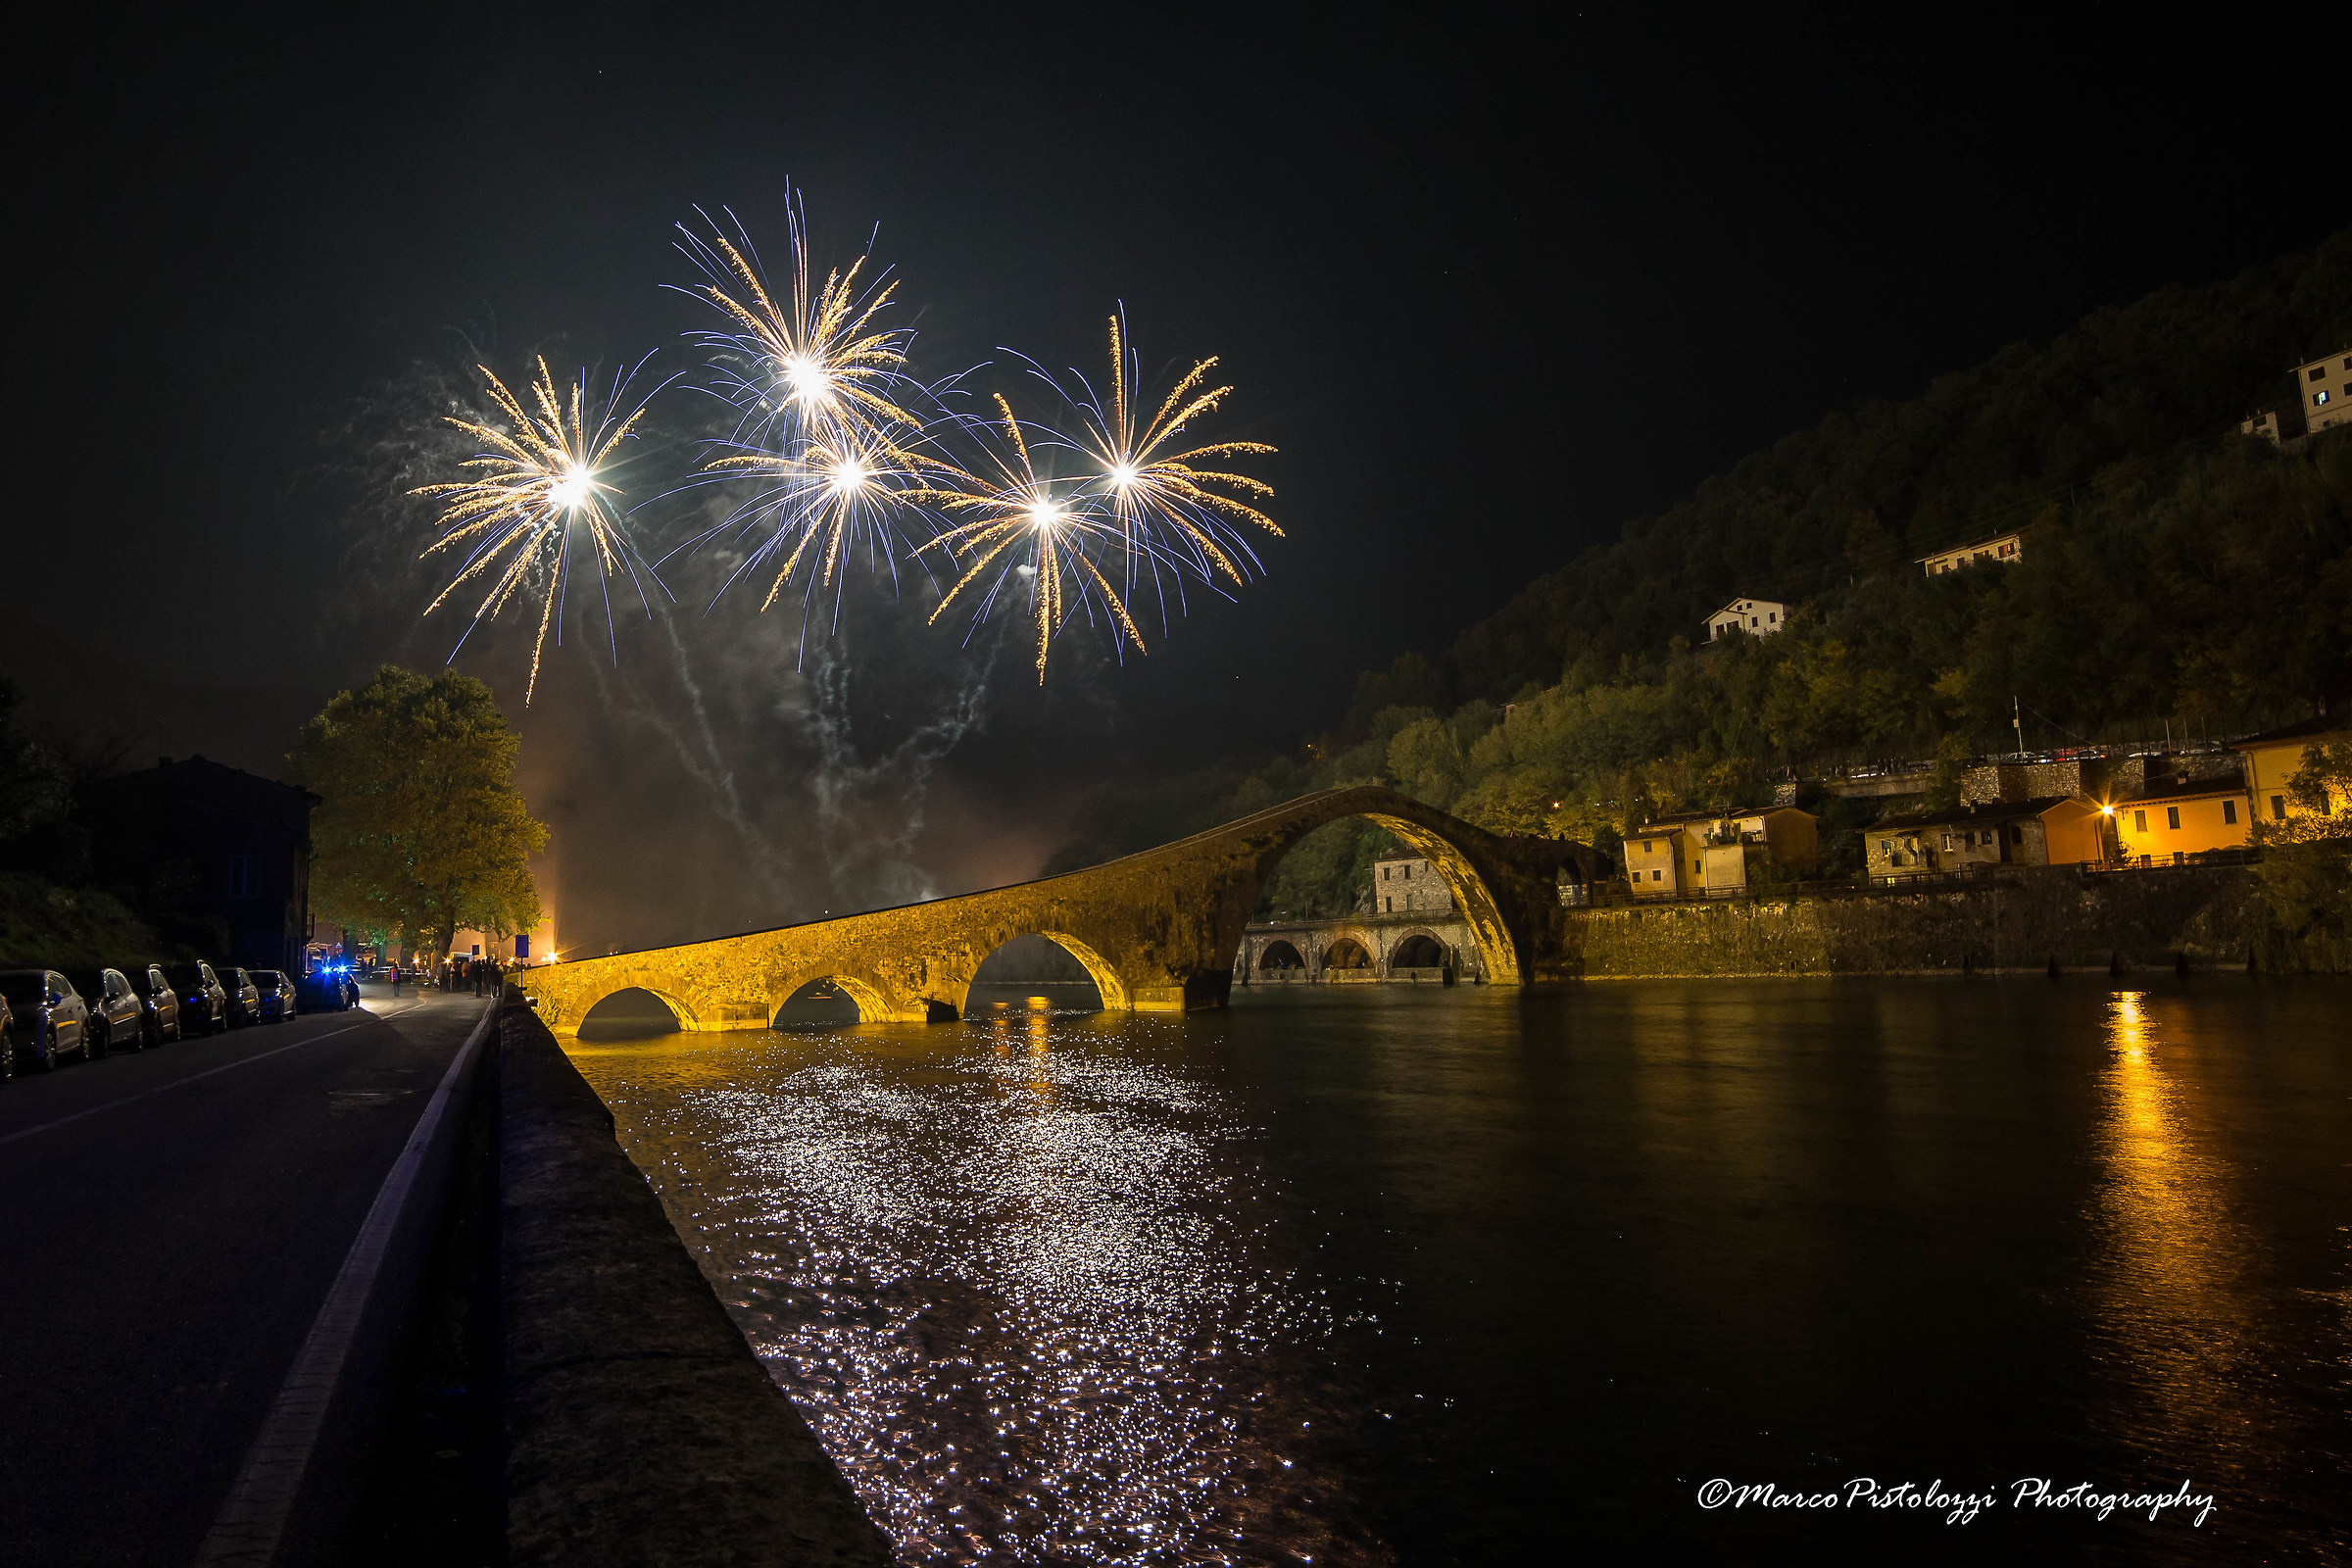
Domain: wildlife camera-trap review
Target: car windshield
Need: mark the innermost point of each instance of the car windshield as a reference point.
(24, 987)
(186, 976)
(266, 977)
(87, 982)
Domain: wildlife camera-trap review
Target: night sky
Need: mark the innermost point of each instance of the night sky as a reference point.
(1492, 282)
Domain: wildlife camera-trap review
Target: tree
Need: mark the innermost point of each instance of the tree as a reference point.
(422, 831)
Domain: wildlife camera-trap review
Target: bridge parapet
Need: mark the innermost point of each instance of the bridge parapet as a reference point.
(1157, 931)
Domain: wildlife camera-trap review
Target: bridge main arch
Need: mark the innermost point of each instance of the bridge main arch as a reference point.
(1157, 931)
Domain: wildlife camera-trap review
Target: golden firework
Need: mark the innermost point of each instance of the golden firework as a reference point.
(539, 477)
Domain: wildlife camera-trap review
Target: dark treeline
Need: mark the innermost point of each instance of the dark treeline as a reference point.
(2174, 572)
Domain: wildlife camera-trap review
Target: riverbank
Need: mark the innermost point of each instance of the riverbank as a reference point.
(639, 1426)
(2053, 919)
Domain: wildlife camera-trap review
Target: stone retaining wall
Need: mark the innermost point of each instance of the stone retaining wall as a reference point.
(639, 1427)
(2207, 918)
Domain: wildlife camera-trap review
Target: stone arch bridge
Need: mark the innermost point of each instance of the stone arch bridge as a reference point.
(1157, 931)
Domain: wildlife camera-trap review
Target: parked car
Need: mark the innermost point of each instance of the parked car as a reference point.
(159, 1002)
(203, 999)
(244, 1003)
(276, 996)
(50, 1015)
(116, 1017)
(8, 1042)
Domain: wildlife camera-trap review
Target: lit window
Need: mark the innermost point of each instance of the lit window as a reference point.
(2318, 398)
(2172, 816)
(2139, 821)
(2277, 807)
(2229, 811)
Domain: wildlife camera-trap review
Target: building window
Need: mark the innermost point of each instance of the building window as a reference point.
(2139, 821)
(1387, 905)
(2319, 372)
(2318, 398)
(1885, 846)
(1384, 873)
(244, 876)
(2229, 811)
(2172, 816)
(1406, 873)
(2277, 807)
(2017, 835)
(1657, 876)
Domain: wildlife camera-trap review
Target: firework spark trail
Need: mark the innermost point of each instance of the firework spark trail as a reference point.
(540, 475)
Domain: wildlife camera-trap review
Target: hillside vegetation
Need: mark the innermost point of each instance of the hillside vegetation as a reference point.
(2174, 572)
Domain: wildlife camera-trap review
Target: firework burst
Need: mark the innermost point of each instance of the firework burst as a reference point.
(1162, 495)
(539, 490)
(815, 380)
(1017, 528)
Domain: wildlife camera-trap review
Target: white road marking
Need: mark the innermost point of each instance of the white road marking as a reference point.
(227, 1066)
(253, 1514)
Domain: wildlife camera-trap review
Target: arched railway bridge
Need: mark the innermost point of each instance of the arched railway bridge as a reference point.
(1157, 931)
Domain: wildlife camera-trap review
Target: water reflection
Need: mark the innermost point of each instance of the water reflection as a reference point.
(1018, 1274)
(2173, 1302)
(1472, 1277)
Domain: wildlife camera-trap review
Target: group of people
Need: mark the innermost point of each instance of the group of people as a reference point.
(485, 976)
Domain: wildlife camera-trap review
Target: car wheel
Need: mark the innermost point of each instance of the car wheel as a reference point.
(8, 1055)
(45, 1054)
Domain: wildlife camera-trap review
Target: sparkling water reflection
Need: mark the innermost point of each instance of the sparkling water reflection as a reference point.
(1471, 1277)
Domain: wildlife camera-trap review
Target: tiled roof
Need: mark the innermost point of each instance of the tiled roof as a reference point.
(2322, 725)
(1969, 815)
(2187, 790)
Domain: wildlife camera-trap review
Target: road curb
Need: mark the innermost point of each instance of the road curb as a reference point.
(638, 1424)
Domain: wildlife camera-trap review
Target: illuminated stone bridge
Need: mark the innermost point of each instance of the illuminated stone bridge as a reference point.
(1157, 931)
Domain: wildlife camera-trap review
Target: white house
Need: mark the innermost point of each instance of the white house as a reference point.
(1758, 618)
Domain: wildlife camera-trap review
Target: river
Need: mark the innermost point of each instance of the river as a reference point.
(1478, 1276)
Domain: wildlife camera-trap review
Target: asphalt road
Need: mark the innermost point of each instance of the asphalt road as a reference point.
(165, 1241)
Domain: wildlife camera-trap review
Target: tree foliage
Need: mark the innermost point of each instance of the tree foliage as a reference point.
(422, 831)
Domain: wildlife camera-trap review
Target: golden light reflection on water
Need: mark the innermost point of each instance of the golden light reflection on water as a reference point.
(2173, 1299)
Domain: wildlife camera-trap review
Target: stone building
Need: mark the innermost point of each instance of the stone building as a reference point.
(1405, 929)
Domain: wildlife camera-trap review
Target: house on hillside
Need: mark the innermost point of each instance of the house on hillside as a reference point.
(1758, 618)
(2276, 756)
(2006, 548)
(2326, 386)
(2055, 830)
(1690, 853)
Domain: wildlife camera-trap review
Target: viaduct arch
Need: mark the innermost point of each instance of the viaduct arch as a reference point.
(1157, 931)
